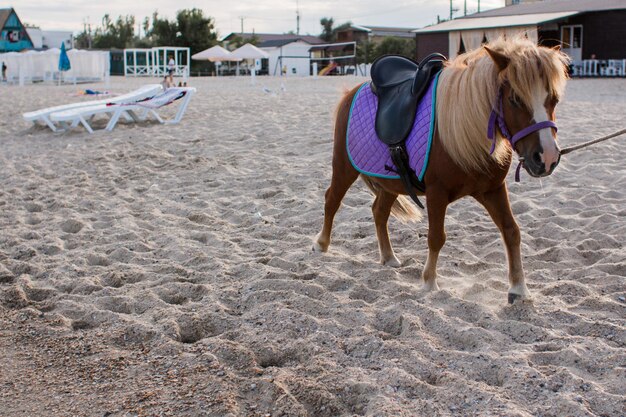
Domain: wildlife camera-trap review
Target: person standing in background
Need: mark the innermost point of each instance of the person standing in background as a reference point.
(171, 67)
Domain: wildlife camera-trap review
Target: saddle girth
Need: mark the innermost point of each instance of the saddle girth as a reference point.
(399, 83)
(409, 180)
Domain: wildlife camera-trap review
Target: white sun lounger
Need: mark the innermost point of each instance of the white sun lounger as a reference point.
(43, 115)
(137, 111)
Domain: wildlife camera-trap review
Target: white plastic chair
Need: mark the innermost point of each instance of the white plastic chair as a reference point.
(43, 115)
(590, 67)
(137, 111)
(577, 69)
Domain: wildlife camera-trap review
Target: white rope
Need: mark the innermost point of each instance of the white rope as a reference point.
(591, 142)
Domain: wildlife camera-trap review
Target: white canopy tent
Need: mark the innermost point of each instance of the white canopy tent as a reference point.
(249, 51)
(215, 54)
(33, 66)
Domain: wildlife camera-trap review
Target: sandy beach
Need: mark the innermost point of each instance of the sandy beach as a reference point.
(167, 270)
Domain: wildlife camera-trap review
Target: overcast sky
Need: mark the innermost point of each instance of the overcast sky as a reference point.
(262, 16)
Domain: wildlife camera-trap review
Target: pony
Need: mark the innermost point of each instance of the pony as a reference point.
(491, 102)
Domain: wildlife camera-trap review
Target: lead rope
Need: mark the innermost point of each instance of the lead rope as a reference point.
(591, 142)
(565, 151)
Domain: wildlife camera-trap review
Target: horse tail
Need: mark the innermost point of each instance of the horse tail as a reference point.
(403, 208)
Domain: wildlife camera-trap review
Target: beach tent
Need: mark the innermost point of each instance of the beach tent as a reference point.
(249, 51)
(215, 54)
(34, 66)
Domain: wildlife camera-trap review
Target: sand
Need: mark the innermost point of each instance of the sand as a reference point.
(167, 270)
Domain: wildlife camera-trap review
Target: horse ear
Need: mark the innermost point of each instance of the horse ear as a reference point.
(500, 60)
(557, 47)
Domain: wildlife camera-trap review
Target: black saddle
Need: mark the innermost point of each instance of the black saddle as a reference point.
(399, 83)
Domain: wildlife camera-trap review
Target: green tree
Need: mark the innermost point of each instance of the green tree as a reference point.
(162, 32)
(329, 32)
(396, 46)
(327, 29)
(119, 34)
(196, 30)
(190, 29)
(365, 52)
(237, 41)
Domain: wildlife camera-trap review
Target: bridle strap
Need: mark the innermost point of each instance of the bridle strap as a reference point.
(532, 128)
(497, 118)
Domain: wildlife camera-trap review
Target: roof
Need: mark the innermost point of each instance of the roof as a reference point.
(381, 30)
(4, 16)
(329, 47)
(277, 43)
(526, 14)
(553, 6)
(495, 22)
(265, 37)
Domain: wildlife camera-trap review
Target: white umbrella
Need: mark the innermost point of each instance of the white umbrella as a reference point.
(215, 54)
(249, 51)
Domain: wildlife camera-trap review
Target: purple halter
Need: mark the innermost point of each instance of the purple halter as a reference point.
(497, 117)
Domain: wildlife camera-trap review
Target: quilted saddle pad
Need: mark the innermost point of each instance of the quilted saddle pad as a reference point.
(369, 155)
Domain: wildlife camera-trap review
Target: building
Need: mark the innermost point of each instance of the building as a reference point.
(262, 38)
(289, 53)
(375, 34)
(514, 2)
(13, 34)
(289, 57)
(584, 28)
(46, 39)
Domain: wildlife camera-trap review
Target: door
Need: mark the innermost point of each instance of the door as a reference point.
(572, 41)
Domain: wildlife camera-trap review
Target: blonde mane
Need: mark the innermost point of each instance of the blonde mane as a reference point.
(468, 88)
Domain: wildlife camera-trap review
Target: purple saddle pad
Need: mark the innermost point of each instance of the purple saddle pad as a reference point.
(369, 155)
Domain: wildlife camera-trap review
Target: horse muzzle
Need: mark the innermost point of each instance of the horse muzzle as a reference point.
(539, 167)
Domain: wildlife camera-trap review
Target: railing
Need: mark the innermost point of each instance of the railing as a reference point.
(179, 71)
(599, 68)
(138, 70)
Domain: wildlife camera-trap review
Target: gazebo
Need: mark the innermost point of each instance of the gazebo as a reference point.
(143, 62)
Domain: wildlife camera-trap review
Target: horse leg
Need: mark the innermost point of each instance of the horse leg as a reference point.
(381, 210)
(437, 206)
(497, 204)
(339, 185)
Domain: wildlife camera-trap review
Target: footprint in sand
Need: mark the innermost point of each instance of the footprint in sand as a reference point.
(33, 207)
(72, 226)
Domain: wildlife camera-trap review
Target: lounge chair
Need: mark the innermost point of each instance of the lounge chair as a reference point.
(137, 111)
(43, 115)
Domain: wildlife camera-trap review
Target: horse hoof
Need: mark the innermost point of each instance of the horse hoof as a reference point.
(431, 286)
(513, 297)
(318, 248)
(393, 262)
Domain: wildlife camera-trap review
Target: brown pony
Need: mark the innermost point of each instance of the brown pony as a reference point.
(522, 79)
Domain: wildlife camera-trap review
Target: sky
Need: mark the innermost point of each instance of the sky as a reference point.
(266, 16)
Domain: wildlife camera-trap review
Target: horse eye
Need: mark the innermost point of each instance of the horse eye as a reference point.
(514, 100)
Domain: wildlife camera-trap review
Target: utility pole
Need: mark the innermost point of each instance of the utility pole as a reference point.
(241, 18)
(297, 17)
(452, 10)
(465, 8)
(87, 31)
(478, 6)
